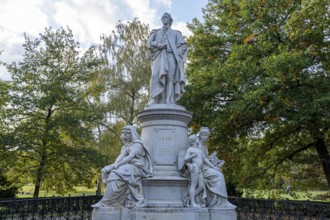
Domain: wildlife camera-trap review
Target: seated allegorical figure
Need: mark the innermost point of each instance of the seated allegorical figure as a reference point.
(123, 178)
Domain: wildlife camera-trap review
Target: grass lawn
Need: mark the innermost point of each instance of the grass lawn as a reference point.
(27, 192)
(311, 195)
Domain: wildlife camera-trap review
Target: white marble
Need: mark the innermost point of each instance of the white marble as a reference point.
(123, 178)
(163, 213)
(163, 194)
(168, 49)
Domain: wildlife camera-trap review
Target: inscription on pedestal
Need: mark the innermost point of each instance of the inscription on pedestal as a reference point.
(165, 152)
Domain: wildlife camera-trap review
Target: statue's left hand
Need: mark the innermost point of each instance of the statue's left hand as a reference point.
(108, 168)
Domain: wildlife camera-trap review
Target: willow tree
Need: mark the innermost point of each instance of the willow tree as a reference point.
(259, 77)
(48, 117)
(122, 85)
(129, 70)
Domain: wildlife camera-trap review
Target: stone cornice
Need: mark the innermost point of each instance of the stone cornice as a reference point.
(179, 114)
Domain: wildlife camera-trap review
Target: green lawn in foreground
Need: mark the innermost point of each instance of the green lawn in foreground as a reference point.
(79, 191)
(311, 195)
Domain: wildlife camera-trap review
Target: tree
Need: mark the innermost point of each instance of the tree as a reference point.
(7, 189)
(122, 86)
(259, 77)
(4, 93)
(127, 77)
(48, 115)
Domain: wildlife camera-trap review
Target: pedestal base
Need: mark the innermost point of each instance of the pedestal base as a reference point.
(165, 191)
(113, 213)
(165, 133)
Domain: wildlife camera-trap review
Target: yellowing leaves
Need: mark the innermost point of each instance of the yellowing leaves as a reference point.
(287, 102)
(250, 39)
(271, 118)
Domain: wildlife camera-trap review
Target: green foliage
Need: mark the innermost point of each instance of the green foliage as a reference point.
(4, 97)
(127, 76)
(109, 141)
(48, 117)
(7, 188)
(259, 78)
(120, 89)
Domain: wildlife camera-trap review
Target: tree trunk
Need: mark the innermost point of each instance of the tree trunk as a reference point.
(37, 183)
(42, 161)
(324, 156)
(98, 185)
(131, 117)
(39, 176)
(40, 170)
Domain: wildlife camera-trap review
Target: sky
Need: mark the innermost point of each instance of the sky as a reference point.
(88, 19)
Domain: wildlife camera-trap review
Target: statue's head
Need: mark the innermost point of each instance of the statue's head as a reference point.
(204, 134)
(192, 140)
(130, 134)
(167, 19)
(126, 135)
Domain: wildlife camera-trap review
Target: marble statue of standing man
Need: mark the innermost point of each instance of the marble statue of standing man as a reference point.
(169, 51)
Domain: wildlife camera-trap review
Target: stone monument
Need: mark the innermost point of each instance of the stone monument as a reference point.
(162, 175)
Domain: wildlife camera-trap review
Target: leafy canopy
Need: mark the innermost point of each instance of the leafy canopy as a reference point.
(259, 78)
(48, 117)
(128, 71)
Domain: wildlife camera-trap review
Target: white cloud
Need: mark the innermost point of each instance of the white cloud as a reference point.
(141, 9)
(166, 3)
(22, 16)
(16, 18)
(88, 20)
(182, 27)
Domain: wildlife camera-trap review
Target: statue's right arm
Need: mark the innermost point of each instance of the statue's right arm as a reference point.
(121, 155)
(152, 44)
(134, 151)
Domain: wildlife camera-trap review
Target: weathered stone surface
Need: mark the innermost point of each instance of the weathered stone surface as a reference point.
(168, 49)
(123, 178)
(168, 194)
(164, 132)
(112, 213)
(165, 191)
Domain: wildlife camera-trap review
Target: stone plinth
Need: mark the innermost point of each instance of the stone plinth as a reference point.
(166, 191)
(113, 213)
(164, 132)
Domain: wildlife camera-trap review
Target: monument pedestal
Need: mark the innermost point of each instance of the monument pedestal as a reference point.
(166, 191)
(165, 134)
(114, 213)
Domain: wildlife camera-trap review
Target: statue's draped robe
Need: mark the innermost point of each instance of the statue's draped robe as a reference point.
(215, 187)
(214, 184)
(160, 66)
(124, 186)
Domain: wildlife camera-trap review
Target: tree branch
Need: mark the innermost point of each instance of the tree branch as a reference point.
(289, 156)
